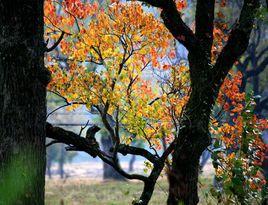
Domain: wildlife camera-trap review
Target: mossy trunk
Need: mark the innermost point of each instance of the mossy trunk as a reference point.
(193, 137)
(23, 81)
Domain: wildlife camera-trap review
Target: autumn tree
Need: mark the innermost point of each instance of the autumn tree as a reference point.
(206, 79)
(125, 42)
(23, 81)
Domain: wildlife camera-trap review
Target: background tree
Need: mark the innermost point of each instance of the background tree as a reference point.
(56, 154)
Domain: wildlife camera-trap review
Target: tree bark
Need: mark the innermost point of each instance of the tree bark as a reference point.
(192, 141)
(183, 181)
(23, 81)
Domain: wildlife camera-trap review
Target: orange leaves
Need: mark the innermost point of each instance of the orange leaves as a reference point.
(181, 4)
(263, 124)
(166, 67)
(230, 96)
(115, 1)
(79, 9)
(238, 133)
(66, 15)
(112, 60)
(172, 54)
(219, 37)
(222, 3)
(220, 14)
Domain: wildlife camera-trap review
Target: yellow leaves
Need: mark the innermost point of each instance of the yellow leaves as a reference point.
(119, 44)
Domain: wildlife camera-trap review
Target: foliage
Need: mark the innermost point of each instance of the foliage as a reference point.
(120, 64)
(129, 46)
(238, 148)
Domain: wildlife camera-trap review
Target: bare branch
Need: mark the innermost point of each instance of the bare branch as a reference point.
(83, 127)
(264, 51)
(155, 3)
(127, 149)
(258, 70)
(65, 105)
(77, 143)
(56, 43)
(238, 40)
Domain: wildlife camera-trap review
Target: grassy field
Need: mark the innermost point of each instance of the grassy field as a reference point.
(89, 192)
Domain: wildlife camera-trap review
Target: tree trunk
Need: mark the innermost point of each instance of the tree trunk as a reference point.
(23, 81)
(108, 171)
(193, 137)
(183, 181)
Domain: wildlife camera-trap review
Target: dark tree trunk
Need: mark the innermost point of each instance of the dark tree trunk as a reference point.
(194, 135)
(194, 138)
(23, 81)
(108, 171)
(183, 181)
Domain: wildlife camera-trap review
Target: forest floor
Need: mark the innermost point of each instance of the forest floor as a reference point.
(95, 192)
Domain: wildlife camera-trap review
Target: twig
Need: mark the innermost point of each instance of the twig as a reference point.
(56, 44)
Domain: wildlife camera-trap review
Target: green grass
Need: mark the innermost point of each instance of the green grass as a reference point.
(88, 192)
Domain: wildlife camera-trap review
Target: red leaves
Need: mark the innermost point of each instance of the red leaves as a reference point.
(223, 3)
(181, 4)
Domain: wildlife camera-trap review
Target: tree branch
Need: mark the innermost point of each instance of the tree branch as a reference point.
(77, 143)
(127, 149)
(204, 24)
(264, 51)
(263, 102)
(155, 3)
(258, 70)
(238, 40)
(56, 44)
(173, 21)
(71, 139)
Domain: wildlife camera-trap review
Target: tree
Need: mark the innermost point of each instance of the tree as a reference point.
(23, 81)
(253, 66)
(99, 45)
(206, 79)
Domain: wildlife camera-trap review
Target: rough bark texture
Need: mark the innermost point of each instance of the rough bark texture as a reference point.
(23, 81)
(193, 138)
(206, 80)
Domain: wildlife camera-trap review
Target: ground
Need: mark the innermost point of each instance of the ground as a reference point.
(87, 191)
